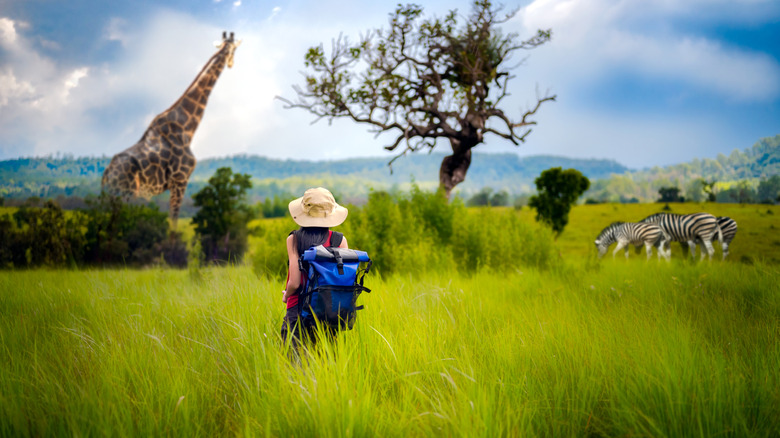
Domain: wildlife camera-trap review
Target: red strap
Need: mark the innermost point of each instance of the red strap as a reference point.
(327, 242)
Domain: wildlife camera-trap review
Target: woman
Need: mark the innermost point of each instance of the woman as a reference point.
(316, 211)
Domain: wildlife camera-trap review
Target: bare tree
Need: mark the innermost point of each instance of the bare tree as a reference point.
(422, 80)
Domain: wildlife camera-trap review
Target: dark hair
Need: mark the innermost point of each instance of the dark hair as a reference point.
(306, 237)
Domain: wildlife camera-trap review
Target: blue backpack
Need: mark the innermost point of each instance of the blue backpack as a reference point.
(334, 280)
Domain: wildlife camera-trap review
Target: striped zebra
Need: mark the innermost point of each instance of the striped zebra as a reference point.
(728, 228)
(688, 228)
(631, 233)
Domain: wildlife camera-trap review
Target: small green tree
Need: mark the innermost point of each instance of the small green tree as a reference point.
(709, 189)
(670, 194)
(481, 198)
(221, 221)
(557, 190)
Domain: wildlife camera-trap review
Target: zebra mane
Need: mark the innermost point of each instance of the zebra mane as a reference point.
(609, 229)
(654, 216)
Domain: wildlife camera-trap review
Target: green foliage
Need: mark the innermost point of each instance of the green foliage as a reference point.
(276, 207)
(121, 233)
(419, 232)
(486, 197)
(221, 221)
(41, 237)
(108, 233)
(769, 190)
(558, 190)
(741, 192)
(760, 161)
(670, 194)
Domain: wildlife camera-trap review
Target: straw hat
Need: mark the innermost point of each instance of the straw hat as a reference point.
(317, 208)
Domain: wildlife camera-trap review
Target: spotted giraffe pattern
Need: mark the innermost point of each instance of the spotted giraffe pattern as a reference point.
(162, 159)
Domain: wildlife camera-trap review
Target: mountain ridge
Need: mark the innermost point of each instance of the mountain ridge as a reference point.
(354, 177)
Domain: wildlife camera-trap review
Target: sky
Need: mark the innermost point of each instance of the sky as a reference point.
(643, 82)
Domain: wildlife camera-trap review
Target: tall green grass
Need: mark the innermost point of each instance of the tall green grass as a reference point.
(617, 348)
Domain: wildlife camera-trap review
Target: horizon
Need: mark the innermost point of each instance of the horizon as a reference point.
(68, 156)
(674, 81)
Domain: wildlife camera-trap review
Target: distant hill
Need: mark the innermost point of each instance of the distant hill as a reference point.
(750, 165)
(352, 178)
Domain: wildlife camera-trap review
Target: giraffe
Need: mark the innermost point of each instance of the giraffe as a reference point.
(162, 159)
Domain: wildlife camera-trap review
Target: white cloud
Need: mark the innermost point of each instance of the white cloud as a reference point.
(72, 80)
(104, 108)
(13, 90)
(274, 12)
(116, 31)
(592, 38)
(7, 32)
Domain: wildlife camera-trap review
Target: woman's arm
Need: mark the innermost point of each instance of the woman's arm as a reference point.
(343, 242)
(294, 273)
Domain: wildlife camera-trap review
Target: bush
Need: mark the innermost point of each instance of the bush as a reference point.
(126, 234)
(420, 232)
(43, 236)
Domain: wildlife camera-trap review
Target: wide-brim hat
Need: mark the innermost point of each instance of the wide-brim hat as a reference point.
(317, 208)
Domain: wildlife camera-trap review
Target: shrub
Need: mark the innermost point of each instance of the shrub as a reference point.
(122, 233)
(45, 236)
(419, 232)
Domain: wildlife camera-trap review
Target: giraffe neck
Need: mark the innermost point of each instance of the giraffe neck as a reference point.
(188, 110)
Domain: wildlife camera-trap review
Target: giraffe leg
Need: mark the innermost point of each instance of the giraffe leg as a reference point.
(177, 194)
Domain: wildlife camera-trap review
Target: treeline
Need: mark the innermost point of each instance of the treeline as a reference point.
(412, 231)
(624, 190)
(53, 177)
(741, 176)
(106, 233)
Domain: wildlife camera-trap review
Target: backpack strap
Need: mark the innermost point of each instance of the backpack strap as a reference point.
(335, 238)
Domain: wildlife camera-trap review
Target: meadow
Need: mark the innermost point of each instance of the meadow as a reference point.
(572, 346)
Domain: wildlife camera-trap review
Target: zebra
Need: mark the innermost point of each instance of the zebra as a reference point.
(687, 228)
(633, 233)
(728, 228)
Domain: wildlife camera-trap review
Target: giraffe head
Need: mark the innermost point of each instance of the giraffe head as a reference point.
(229, 44)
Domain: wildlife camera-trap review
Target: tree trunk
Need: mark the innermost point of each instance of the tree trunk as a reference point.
(453, 170)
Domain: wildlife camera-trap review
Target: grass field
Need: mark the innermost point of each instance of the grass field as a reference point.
(758, 237)
(610, 348)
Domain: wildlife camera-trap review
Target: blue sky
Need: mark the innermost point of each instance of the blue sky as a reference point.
(644, 82)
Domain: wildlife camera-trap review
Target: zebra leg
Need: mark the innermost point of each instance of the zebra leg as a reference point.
(710, 250)
(619, 246)
(649, 249)
(725, 248)
(692, 249)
